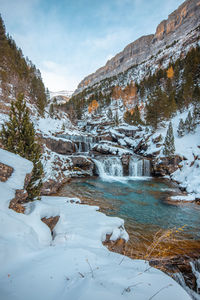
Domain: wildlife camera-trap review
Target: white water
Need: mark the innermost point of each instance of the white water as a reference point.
(83, 143)
(139, 167)
(111, 168)
(195, 265)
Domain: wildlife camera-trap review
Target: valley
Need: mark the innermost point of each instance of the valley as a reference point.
(100, 186)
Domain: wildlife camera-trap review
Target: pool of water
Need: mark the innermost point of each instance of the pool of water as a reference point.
(142, 203)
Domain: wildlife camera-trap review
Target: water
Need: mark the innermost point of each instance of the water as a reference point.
(141, 203)
(144, 207)
(83, 143)
(110, 168)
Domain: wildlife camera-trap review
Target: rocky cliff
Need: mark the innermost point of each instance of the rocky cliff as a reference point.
(178, 31)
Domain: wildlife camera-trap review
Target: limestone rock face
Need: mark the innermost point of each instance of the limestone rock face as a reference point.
(60, 146)
(179, 23)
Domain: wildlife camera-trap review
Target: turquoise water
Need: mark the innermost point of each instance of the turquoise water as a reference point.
(141, 203)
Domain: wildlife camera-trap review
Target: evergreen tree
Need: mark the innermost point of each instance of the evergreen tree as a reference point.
(169, 147)
(181, 128)
(189, 123)
(47, 94)
(109, 114)
(136, 116)
(18, 136)
(196, 115)
(116, 119)
(128, 117)
(51, 110)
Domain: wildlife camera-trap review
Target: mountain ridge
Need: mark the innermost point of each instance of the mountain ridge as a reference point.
(179, 23)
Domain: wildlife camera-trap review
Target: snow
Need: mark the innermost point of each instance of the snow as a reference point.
(73, 263)
(67, 94)
(183, 198)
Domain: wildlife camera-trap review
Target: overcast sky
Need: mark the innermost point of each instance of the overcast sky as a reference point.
(69, 39)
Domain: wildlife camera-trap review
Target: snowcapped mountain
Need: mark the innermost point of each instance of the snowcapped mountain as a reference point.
(63, 93)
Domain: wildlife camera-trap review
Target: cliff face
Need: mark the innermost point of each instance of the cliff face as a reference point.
(179, 23)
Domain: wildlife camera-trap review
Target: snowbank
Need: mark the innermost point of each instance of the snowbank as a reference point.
(73, 263)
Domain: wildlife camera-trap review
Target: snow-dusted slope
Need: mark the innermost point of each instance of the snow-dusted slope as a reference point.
(73, 264)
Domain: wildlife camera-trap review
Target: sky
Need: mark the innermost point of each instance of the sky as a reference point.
(70, 39)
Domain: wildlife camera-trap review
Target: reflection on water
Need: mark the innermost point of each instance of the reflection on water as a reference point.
(141, 203)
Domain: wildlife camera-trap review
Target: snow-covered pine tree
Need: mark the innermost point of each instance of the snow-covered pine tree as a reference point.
(169, 147)
(189, 123)
(109, 114)
(196, 115)
(18, 136)
(116, 119)
(181, 128)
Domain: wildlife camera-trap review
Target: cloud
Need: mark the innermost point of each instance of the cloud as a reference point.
(56, 77)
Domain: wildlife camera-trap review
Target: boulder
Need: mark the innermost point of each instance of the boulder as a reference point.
(165, 165)
(83, 163)
(141, 147)
(51, 222)
(60, 146)
(5, 172)
(52, 186)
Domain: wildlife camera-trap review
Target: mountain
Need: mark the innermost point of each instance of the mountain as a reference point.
(60, 97)
(173, 37)
(18, 75)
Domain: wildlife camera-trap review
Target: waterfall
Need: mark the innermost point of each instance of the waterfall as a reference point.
(139, 167)
(109, 167)
(195, 269)
(83, 143)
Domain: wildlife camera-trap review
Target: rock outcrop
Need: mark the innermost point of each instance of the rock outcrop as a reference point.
(180, 23)
(60, 146)
(165, 165)
(5, 172)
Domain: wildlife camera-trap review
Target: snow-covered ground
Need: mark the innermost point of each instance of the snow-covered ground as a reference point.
(73, 263)
(188, 175)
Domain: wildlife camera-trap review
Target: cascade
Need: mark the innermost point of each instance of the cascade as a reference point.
(112, 166)
(83, 143)
(109, 166)
(139, 167)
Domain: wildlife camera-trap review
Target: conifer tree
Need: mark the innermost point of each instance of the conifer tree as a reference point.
(189, 123)
(109, 114)
(181, 128)
(18, 136)
(51, 110)
(169, 147)
(116, 119)
(196, 115)
(136, 116)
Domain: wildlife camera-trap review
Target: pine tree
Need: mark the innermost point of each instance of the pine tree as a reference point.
(47, 94)
(136, 116)
(18, 136)
(189, 123)
(181, 128)
(109, 114)
(116, 119)
(169, 147)
(196, 115)
(51, 110)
